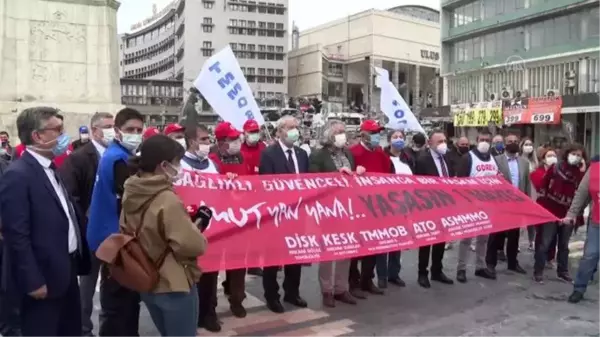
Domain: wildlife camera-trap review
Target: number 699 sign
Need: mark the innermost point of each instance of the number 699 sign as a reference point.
(542, 118)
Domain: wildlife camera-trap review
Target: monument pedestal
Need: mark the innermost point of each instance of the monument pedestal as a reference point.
(59, 53)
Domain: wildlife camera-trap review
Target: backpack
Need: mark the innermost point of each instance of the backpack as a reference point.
(127, 261)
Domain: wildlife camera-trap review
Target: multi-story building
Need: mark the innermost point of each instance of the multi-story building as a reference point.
(516, 49)
(335, 61)
(174, 43)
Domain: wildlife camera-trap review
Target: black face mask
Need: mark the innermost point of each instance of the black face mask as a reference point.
(463, 149)
(512, 148)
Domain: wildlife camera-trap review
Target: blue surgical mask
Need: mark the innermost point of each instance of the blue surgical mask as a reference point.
(499, 146)
(375, 139)
(62, 144)
(398, 144)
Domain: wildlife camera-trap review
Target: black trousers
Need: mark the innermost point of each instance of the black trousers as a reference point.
(120, 312)
(207, 297)
(291, 281)
(362, 278)
(512, 247)
(437, 255)
(235, 285)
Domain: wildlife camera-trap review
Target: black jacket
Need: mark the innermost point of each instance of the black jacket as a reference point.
(425, 166)
(78, 173)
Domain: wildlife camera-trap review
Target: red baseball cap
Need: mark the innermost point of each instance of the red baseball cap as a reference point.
(149, 132)
(251, 126)
(173, 127)
(370, 126)
(226, 130)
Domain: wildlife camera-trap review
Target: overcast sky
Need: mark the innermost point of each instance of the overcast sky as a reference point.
(306, 13)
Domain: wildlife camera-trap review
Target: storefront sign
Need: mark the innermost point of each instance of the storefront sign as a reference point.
(535, 110)
(430, 55)
(481, 114)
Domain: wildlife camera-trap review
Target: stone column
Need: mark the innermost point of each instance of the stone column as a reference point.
(375, 91)
(345, 86)
(436, 95)
(395, 72)
(416, 89)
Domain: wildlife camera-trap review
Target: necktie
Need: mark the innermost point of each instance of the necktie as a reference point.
(72, 214)
(290, 161)
(443, 166)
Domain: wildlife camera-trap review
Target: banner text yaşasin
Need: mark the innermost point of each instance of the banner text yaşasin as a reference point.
(285, 219)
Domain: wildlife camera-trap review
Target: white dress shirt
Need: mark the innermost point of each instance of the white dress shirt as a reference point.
(45, 162)
(437, 159)
(100, 148)
(285, 148)
(400, 167)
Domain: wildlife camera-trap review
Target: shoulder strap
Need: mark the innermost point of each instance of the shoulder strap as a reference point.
(146, 206)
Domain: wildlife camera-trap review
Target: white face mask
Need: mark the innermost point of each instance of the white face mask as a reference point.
(252, 138)
(340, 140)
(550, 161)
(178, 173)
(108, 135)
(131, 141)
(234, 147)
(527, 149)
(203, 151)
(574, 159)
(483, 147)
(84, 136)
(181, 142)
(442, 149)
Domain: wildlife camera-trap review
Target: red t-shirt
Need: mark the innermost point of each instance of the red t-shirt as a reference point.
(252, 155)
(375, 161)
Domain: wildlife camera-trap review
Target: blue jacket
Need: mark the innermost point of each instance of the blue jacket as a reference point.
(103, 217)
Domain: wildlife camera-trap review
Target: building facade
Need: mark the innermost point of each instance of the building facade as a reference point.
(514, 49)
(334, 61)
(175, 42)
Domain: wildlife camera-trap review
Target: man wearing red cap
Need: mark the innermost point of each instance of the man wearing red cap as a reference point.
(149, 132)
(368, 154)
(229, 159)
(177, 132)
(252, 146)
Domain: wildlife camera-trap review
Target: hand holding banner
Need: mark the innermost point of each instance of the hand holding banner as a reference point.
(224, 86)
(287, 219)
(393, 105)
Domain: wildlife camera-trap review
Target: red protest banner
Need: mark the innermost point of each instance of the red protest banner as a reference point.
(287, 219)
(534, 110)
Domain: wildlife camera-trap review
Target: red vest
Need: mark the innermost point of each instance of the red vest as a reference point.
(595, 191)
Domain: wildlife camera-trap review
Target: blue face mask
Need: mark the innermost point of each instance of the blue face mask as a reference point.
(375, 139)
(62, 144)
(398, 144)
(499, 146)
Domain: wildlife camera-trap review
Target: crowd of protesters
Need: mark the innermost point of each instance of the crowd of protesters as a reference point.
(61, 200)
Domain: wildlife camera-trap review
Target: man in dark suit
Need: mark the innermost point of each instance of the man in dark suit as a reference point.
(79, 175)
(41, 230)
(433, 162)
(284, 158)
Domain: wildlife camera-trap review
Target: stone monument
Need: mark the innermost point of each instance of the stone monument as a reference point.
(59, 53)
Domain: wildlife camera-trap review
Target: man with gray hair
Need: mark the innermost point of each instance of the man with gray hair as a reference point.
(79, 175)
(334, 156)
(283, 157)
(42, 231)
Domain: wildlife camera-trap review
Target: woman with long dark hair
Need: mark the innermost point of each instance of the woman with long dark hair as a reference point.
(556, 190)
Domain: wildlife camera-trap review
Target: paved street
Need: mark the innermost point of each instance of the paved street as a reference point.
(513, 305)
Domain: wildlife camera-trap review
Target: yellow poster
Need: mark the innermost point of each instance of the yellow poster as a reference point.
(474, 115)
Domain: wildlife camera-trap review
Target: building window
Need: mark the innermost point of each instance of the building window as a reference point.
(233, 46)
(207, 29)
(279, 49)
(208, 4)
(279, 72)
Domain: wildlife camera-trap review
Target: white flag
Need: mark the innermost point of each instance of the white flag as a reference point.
(393, 105)
(224, 86)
